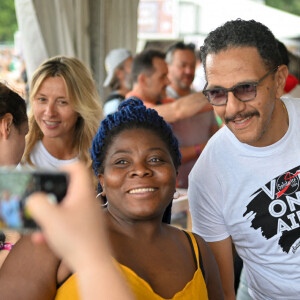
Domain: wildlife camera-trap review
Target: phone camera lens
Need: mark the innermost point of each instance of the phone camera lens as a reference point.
(49, 185)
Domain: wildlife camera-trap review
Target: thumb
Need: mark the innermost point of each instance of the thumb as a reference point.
(40, 207)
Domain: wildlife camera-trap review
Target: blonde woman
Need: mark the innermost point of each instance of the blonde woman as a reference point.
(65, 114)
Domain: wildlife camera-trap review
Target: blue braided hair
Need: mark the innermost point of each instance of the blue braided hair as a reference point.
(133, 114)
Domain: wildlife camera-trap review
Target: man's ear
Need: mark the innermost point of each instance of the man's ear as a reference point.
(101, 180)
(281, 76)
(143, 79)
(5, 125)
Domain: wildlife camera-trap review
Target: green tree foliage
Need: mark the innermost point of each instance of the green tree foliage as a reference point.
(291, 6)
(8, 20)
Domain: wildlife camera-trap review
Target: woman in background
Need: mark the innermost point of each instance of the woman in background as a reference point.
(13, 129)
(65, 114)
(13, 126)
(136, 158)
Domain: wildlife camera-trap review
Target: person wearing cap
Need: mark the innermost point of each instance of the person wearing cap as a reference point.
(118, 66)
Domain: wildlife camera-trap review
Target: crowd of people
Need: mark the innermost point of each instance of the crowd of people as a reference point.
(12, 70)
(158, 134)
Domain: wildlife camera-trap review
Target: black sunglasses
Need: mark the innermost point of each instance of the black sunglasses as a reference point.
(243, 92)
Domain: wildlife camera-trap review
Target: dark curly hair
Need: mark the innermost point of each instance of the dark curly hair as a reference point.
(284, 53)
(132, 114)
(241, 33)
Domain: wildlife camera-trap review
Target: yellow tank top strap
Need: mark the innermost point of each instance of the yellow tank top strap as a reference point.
(197, 252)
(69, 290)
(195, 245)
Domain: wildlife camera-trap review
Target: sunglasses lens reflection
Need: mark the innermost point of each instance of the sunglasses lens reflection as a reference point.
(245, 92)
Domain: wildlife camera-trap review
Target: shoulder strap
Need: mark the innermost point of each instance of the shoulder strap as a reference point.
(58, 285)
(197, 255)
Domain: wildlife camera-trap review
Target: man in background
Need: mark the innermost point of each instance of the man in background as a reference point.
(181, 62)
(292, 87)
(193, 132)
(150, 78)
(118, 67)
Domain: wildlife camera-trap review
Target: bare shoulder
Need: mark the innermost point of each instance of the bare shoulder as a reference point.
(212, 275)
(206, 253)
(29, 271)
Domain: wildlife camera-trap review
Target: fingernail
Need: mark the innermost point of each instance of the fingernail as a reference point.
(51, 198)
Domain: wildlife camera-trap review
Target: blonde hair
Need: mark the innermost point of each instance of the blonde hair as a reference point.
(84, 99)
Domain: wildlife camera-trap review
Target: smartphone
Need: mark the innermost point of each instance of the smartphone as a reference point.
(17, 185)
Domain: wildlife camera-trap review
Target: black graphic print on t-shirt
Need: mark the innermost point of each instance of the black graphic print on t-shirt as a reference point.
(275, 209)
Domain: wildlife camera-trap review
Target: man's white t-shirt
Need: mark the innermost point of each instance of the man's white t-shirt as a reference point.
(253, 195)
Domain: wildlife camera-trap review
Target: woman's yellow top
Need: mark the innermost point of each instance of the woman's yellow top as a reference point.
(194, 289)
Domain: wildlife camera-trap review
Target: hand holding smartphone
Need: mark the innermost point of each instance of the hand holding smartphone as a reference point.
(17, 185)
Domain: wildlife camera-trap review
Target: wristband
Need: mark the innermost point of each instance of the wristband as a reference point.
(2, 238)
(198, 149)
(6, 246)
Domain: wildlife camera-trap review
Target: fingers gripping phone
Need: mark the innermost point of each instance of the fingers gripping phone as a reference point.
(17, 185)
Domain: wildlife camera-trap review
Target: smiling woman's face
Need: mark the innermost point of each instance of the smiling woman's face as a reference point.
(139, 176)
(53, 110)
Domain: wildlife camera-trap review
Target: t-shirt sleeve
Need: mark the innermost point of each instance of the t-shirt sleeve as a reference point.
(206, 201)
(111, 106)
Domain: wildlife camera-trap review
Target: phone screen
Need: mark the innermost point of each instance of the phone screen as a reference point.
(16, 186)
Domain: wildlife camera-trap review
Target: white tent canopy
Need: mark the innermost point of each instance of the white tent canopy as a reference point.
(88, 29)
(81, 28)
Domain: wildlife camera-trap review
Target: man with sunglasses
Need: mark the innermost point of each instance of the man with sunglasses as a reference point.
(245, 189)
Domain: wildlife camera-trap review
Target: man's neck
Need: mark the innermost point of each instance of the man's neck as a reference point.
(142, 95)
(181, 92)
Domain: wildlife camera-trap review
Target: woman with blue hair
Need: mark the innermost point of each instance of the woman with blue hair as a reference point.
(135, 157)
